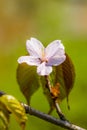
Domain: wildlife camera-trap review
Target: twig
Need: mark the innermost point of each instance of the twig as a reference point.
(2, 93)
(46, 117)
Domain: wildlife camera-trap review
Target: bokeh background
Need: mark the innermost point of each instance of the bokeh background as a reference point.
(46, 20)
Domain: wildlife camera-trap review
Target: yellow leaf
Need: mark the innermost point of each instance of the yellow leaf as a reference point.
(15, 107)
(4, 115)
(4, 123)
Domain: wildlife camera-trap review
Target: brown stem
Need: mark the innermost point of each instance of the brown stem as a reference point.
(61, 115)
(48, 85)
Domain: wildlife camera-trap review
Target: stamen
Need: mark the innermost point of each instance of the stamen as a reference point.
(43, 59)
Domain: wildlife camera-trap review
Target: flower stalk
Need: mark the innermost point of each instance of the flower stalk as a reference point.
(54, 98)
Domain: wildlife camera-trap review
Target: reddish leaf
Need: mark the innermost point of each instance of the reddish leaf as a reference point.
(64, 75)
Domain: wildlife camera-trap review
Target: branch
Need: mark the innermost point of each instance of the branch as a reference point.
(46, 117)
(62, 123)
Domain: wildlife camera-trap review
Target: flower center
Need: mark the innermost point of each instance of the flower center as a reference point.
(44, 59)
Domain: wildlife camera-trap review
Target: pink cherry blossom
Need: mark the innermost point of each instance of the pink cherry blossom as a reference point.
(43, 58)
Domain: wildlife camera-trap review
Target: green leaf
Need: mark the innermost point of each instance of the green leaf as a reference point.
(28, 80)
(47, 93)
(15, 107)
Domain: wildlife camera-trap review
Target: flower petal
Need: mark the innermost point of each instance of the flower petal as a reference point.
(54, 48)
(43, 70)
(34, 47)
(54, 61)
(30, 60)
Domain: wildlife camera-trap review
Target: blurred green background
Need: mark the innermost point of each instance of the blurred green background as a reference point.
(45, 20)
